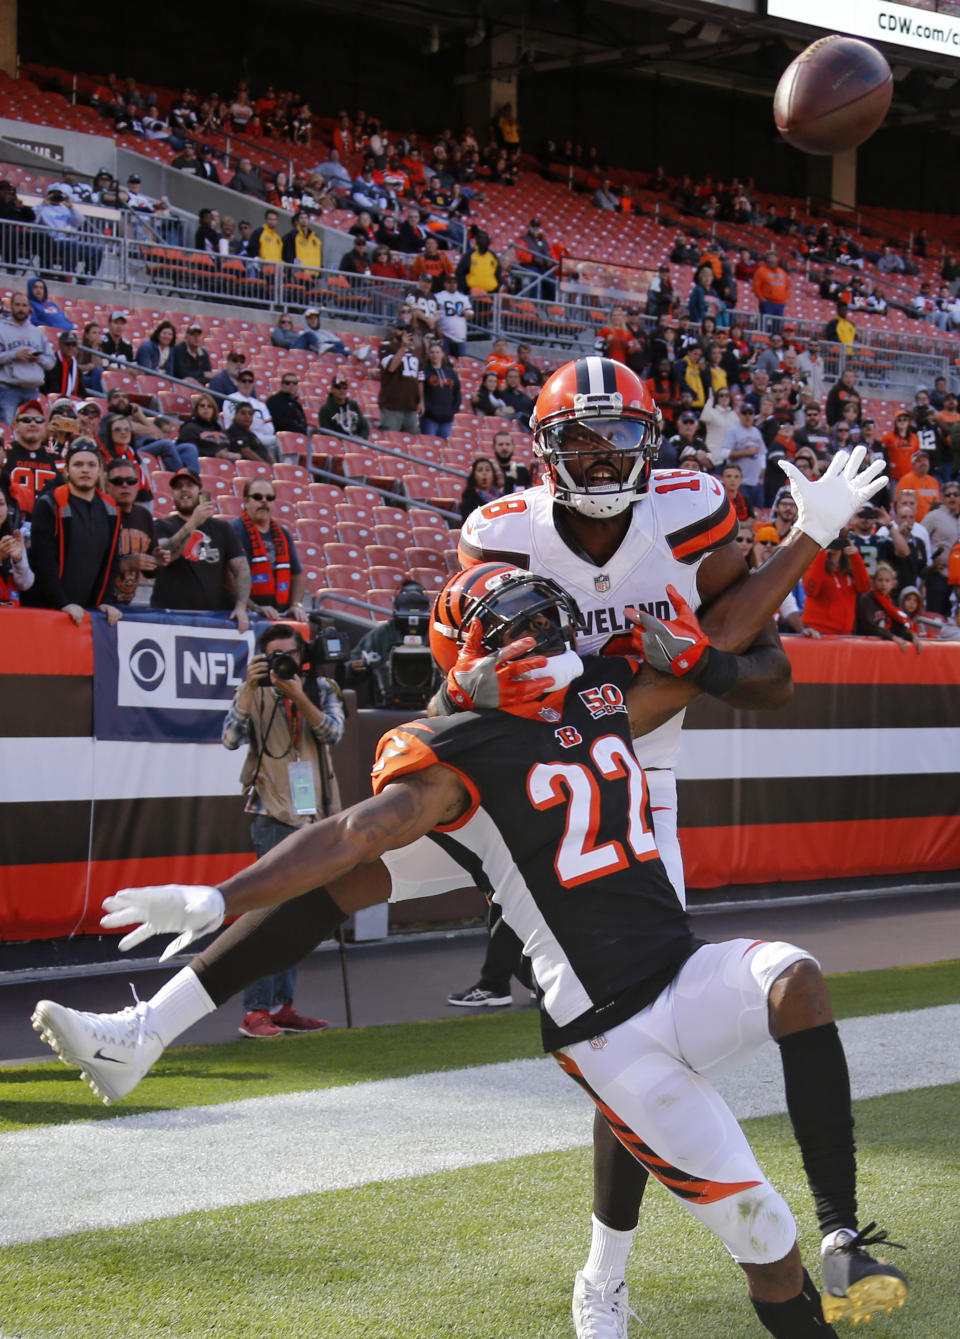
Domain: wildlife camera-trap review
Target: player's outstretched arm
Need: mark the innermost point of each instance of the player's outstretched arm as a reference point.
(316, 855)
(738, 613)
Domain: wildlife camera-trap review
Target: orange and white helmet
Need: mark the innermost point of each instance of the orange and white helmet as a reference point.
(509, 603)
(596, 408)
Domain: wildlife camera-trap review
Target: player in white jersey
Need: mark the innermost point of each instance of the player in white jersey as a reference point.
(595, 522)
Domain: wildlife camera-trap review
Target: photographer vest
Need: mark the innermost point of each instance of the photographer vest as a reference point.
(265, 769)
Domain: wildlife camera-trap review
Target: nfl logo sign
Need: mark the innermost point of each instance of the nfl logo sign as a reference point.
(601, 584)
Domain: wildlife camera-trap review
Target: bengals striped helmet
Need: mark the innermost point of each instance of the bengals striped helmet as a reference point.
(509, 603)
(597, 430)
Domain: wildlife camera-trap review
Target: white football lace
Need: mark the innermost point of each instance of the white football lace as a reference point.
(608, 1312)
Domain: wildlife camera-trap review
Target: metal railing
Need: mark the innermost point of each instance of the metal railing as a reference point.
(894, 363)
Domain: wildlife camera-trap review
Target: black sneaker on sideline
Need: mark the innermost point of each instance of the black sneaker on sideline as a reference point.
(855, 1285)
(478, 997)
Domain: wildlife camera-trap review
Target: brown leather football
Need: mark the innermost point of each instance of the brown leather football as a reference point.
(833, 96)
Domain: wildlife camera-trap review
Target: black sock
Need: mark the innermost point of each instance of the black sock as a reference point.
(818, 1100)
(800, 1318)
(619, 1180)
(263, 943)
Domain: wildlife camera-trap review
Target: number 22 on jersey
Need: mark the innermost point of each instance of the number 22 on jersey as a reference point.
(585, 791)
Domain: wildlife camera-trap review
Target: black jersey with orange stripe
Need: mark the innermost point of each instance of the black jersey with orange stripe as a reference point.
(558, 832)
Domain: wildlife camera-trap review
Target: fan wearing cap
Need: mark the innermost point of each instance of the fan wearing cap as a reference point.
(206, 571)
(65, 377)
(190, 360)
(25, 357)
(340, 413)
(73, 540)
(32, 465)
(115, 342)
(920, 480)
(261, 424)
(686, 436)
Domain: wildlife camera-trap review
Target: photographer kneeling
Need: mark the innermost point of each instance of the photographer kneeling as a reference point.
(287, 717)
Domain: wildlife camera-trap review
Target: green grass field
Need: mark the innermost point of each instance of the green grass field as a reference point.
(483, 1252)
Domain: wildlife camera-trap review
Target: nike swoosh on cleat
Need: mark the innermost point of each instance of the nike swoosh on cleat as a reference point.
(99, 1055)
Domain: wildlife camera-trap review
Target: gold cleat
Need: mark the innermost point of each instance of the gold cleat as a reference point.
(878, 1292)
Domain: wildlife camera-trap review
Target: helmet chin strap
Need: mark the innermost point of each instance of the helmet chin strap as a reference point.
(598, 506)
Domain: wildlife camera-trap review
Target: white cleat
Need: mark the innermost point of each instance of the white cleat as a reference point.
(112, 1051)
(601, 1312)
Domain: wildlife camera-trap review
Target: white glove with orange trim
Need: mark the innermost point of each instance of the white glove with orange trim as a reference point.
(187, 910)
(482, 679)
(825, 505)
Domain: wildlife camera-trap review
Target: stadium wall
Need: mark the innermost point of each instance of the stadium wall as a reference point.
(857, 776)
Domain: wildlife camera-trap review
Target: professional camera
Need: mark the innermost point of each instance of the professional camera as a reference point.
(282, 664)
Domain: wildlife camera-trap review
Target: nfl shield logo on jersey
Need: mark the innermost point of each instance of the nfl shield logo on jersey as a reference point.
(601, 584)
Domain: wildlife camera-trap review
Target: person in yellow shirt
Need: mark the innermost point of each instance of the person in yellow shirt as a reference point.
(266, 242)
(479, 268)
(301, 245)
(508, 127)
(841, 329)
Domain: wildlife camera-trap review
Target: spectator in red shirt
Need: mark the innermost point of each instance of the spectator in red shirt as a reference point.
(900, 446)
(616, 339)
(833, 581)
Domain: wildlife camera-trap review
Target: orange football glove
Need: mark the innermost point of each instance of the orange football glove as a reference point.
(483, 680)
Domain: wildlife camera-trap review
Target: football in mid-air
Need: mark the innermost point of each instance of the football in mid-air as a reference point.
(833, 96)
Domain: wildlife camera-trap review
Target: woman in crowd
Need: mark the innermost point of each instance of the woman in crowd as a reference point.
(483, 485)
(806, 462)
(156, 351)
(441, 393)
(718, 416)
(202, 430)
(487, 401)
(43, 310)
(661, 387)
(878, 616)
(91, 367)
(832, 583)
(15, 572)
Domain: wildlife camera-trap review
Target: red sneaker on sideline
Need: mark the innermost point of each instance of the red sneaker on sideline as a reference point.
(288, 1019)
(259, 1023)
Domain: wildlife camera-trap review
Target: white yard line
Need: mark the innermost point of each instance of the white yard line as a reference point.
(73, 1178)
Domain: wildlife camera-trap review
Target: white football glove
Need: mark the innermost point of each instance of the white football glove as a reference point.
(191, 909)
(825, 505)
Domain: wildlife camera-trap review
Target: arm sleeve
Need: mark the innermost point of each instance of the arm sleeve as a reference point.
(236, 728)
(330, 703)
(43, 554)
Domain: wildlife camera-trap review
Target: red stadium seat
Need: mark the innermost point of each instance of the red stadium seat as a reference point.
(431, 538)
(328, 493)
(348, 511)
(385, 555)
(430, 578)
(293, 442)
(318, 532)
(251, 469)
(339, 554)
(423, 557)
(394, 536)
(355, 532)
(294, 474)
(226, 505)
(387, 577)
(316, 511)
(359, 496)
(346, 577)
(391, 516)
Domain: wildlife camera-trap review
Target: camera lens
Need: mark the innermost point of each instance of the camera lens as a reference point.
(282, 664)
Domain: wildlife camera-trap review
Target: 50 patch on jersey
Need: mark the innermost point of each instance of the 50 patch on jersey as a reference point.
(604, 700)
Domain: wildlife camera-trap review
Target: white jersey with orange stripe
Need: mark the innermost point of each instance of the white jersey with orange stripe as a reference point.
(683, 516)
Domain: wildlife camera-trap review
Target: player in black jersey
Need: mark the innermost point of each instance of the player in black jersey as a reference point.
(546, 806)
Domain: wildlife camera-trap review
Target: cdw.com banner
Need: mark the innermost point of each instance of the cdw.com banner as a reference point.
(923, 25)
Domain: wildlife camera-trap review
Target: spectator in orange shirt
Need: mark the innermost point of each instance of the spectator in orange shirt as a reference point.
(616, 339)
(833, 581)
(771, 284)
(432, 262)
(499, 361)
(922, 482)
(900, 446)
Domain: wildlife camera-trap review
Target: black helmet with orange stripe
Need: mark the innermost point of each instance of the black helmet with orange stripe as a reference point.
(597, 430)
(509, 603)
